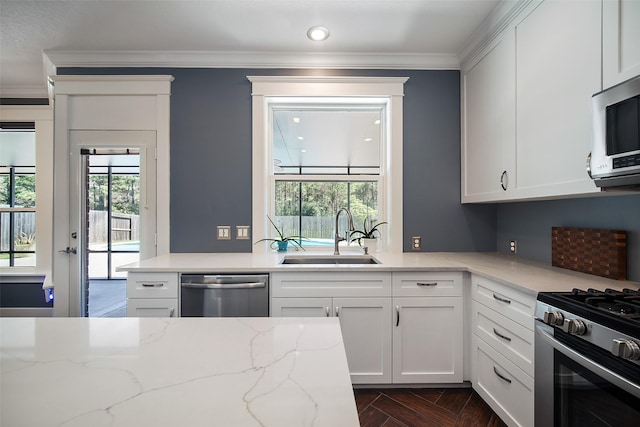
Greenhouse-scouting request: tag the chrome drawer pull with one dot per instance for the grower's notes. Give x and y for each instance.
(337, 311)
(427, 283)
(171, 311)
(326, 310)
(397, 315)
(502, 377)
(504, 300)
(501, 336)
(152, 285)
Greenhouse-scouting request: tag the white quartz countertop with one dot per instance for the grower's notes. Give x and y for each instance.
(174, 372)
(528, 276)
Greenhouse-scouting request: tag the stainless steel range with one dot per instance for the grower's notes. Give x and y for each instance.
(587, 358)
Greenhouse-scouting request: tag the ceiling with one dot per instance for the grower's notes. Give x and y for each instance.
(37, 36)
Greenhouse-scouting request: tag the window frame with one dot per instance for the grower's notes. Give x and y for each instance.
(267, 88)
(11, 210)
(42, 117)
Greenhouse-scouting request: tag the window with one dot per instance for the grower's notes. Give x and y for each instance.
(311, 185)
(326, 155)
(17, 195)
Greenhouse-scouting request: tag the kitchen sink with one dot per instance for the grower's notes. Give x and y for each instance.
(329, 259)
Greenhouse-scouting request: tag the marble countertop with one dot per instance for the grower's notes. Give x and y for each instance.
(174, 372)
(527, 276)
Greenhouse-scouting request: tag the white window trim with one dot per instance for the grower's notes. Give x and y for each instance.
(392, 88)
(42, 116)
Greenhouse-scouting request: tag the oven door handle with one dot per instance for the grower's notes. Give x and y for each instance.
(600, 370)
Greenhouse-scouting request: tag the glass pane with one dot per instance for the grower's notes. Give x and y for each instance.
(118, 259)
(4, 190)
(309, 208)
(25, 189)
(126, 194)
(24, 224)
(5, 238)
(98, 206)
(323, 136)
(98, 265)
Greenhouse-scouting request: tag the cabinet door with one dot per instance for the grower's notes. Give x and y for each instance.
(620, 41)
(366, 330)
(427, 340)
(301, 307)
(152, 307)
(488, 148)
(558, 62)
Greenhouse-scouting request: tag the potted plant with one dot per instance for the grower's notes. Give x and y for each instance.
(282, 241)
(367, 237)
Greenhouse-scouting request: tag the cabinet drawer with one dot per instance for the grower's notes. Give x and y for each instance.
(152, 285)
(427, 284)
(511, 339)
(507, 389)
(507, 301)
(331, 284)
(152, 307)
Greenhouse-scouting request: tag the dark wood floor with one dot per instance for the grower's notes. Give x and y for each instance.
(423, 407)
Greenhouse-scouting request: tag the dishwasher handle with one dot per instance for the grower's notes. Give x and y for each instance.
(248, 285)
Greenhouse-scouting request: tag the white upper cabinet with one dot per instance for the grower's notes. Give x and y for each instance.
(558, 70)
(526, 97)
(488, 115)
(620, 41)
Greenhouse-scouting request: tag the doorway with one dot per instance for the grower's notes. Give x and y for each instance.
(112, 216)
(113, 227)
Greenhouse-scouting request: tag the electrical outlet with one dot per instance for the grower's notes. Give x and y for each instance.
(513, 246)
(416, 243)
(242, 232)
(224, 232)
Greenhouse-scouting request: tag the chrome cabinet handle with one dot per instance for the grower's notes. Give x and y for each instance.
(250, 285)
(337, 311)
(397, 315)
(501, 336)
(504, 180)
(502, 377)
(171, 311)
(326, 310)
(152, 285)
(504, 300)
(427, 283)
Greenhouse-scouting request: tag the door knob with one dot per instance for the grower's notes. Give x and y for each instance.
(69, 250)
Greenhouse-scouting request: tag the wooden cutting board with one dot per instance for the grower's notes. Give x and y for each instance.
(600, 252)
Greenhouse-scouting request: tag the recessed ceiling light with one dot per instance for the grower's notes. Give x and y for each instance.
(318, 33)
(368, 139)
(303, 151)
(377, 122)
(296, 120)
(300, 138)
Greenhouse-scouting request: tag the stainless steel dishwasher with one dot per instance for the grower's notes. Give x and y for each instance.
(224, 295)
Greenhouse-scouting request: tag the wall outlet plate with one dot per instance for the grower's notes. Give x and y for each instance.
(416, 243)
(513, 246)
(224, 232)
(242, 232)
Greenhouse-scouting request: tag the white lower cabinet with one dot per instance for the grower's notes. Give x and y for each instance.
(152, 307)
(152, 294)
(502, 349)
(504, 386)
(427, 340)
(390, 336)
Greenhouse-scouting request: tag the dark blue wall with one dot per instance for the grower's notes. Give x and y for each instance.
(211, 158)
(530, 224)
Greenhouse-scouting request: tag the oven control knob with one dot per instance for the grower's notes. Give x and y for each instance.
(574, 326)
(626, 349)
(554, 318)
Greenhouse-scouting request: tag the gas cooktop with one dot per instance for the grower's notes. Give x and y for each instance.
(618, 310)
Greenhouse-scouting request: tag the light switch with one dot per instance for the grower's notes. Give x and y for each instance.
(242, 232)
(224, 232)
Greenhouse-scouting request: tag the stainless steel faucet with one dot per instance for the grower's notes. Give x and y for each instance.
(337, 237)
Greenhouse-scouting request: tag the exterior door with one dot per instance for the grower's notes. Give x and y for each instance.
(104, 141)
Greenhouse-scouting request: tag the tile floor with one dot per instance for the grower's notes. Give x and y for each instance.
(424, 408)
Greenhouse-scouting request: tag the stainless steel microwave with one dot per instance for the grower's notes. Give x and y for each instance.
(615, 153)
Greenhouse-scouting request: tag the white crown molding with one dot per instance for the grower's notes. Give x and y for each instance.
(184, 59)
(501, 17)
(24, 91)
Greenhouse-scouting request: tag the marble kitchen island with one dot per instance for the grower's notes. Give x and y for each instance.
(227, 372)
